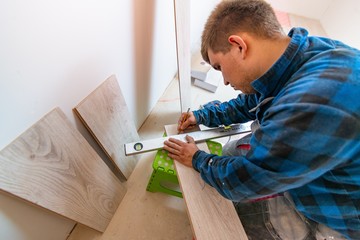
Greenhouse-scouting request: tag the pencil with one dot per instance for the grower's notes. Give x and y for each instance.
(185, 118)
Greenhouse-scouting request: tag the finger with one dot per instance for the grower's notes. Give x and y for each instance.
(186, 120)
(173, 156)
(186, 124)
(181, 118)
(189, 139)
(180, 128)
(171, 145)
(182, 125)
(176, 141)
(191, 126)
(171, 150)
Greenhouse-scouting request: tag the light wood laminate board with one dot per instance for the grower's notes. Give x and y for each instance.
(211, 215)
(52, 166)
(105, 114)
(81, 232)
(182, 28)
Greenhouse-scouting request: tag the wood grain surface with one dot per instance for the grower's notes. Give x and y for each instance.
(105, 114)
(211, 215)
(52, 166)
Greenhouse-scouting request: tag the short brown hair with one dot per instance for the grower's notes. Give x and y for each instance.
(231, 16)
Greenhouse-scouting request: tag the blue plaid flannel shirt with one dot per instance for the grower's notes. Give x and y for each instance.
(308, 142)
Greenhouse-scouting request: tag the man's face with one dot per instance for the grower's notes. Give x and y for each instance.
(233, 68)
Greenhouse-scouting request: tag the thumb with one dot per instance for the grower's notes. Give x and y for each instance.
(189, 139)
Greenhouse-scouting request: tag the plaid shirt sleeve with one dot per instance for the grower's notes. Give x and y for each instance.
(308, 142)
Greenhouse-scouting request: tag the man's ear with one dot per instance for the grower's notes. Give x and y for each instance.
(239, 43)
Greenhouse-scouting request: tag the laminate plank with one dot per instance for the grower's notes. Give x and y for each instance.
(81, 232)
(182, 28)
(105, 114)
(211, 215)
(52, 166)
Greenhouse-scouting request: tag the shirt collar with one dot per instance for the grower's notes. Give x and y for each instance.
(273, 80)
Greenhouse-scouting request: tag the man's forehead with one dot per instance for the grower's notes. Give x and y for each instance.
(211, 56)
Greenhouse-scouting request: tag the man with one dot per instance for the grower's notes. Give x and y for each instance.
(302, 92)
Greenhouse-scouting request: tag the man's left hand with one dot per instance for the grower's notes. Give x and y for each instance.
(181, 151)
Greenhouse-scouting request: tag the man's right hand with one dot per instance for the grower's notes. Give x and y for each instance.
(190, 121)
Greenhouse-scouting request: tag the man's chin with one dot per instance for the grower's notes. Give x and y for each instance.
(235, 88)
(246, 91)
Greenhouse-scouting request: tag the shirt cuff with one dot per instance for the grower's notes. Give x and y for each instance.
(196, 115)
(198, 158)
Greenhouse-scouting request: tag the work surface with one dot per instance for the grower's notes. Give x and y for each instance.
(211, 215)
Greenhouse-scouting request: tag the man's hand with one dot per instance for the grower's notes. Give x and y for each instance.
(186, 121)
(181, 151)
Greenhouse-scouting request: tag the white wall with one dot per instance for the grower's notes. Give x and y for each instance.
(339, 18)
(306, 8)
(341, 21)
(54, 53)
(199, 11)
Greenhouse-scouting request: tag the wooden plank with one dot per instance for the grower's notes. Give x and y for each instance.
(182, 29)
(52, 166)
(211, 215)
(105, 114)
(81, 232)
(198, 136)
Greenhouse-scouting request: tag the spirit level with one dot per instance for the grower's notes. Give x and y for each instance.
(158, 143)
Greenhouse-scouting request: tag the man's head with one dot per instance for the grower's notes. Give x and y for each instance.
(242, 39)
(233, 16)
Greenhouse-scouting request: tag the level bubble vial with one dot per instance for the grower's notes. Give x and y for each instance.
(138, 146)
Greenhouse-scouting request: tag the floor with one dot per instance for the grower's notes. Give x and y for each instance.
(146, 215)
